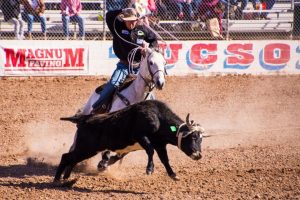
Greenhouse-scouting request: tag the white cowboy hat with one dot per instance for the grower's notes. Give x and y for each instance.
(129, 14)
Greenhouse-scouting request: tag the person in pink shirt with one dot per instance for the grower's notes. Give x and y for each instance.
(70, 11)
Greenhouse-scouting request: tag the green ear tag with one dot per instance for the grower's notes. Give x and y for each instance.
(173, 128)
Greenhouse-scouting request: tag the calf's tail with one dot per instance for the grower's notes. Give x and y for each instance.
(75, 119)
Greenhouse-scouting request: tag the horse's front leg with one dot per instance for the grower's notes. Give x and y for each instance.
(146, 144)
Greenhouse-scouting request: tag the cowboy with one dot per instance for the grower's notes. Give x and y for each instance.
(130, 39)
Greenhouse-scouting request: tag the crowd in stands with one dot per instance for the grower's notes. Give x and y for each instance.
(209, 11)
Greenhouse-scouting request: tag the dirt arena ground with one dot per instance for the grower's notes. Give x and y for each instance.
(253, 151)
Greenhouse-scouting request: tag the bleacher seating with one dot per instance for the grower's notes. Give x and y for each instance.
(91, 12)
(281, 21)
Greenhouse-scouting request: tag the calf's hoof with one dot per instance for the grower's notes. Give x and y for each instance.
(56, 180)
(64, 183)
(174, 177)
(149, 172)
(102, 166)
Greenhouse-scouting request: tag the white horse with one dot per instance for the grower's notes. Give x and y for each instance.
(151, 74)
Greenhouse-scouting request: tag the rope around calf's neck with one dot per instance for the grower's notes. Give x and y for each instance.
(179, 135)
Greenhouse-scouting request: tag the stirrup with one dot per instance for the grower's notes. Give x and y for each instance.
(100, 109)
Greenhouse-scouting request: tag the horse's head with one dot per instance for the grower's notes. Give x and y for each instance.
(152, 68)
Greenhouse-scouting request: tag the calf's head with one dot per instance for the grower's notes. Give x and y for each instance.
(190, 138)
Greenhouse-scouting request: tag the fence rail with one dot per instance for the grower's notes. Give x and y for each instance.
(280, 23)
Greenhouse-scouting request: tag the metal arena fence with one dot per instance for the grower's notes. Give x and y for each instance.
(171, 19)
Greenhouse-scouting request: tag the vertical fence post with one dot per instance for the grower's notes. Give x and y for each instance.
(227, 24)
(75, 30)
(296, 21)
(104, 20)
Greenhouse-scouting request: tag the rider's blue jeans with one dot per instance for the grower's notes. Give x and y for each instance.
(119, 76)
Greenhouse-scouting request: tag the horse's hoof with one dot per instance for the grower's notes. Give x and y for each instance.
(174, 177)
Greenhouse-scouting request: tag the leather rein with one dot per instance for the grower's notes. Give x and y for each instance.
(150, 83)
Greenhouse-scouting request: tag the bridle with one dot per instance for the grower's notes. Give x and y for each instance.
(150, 83)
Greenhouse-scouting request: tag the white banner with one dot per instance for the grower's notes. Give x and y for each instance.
(183, 57)
(43, 58)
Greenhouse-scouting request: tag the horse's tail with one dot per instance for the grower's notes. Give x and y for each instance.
(75, 119)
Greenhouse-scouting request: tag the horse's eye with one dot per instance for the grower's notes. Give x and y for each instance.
(151, 63)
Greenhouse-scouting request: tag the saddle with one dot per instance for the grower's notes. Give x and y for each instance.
(106, 106)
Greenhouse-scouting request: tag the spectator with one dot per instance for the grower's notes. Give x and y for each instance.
(34, 11)
(144, 8)
(195, 5)
(231, 9)
(244, 3)
(255, 4)
(70, 10)
(162, 10)
(184, 9)
(211, 12)
(268, 6)
(116, 4)
(12, 14)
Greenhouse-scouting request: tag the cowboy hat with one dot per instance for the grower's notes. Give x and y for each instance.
(129, 14)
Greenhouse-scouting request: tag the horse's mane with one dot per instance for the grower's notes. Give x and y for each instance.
(157, 49)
